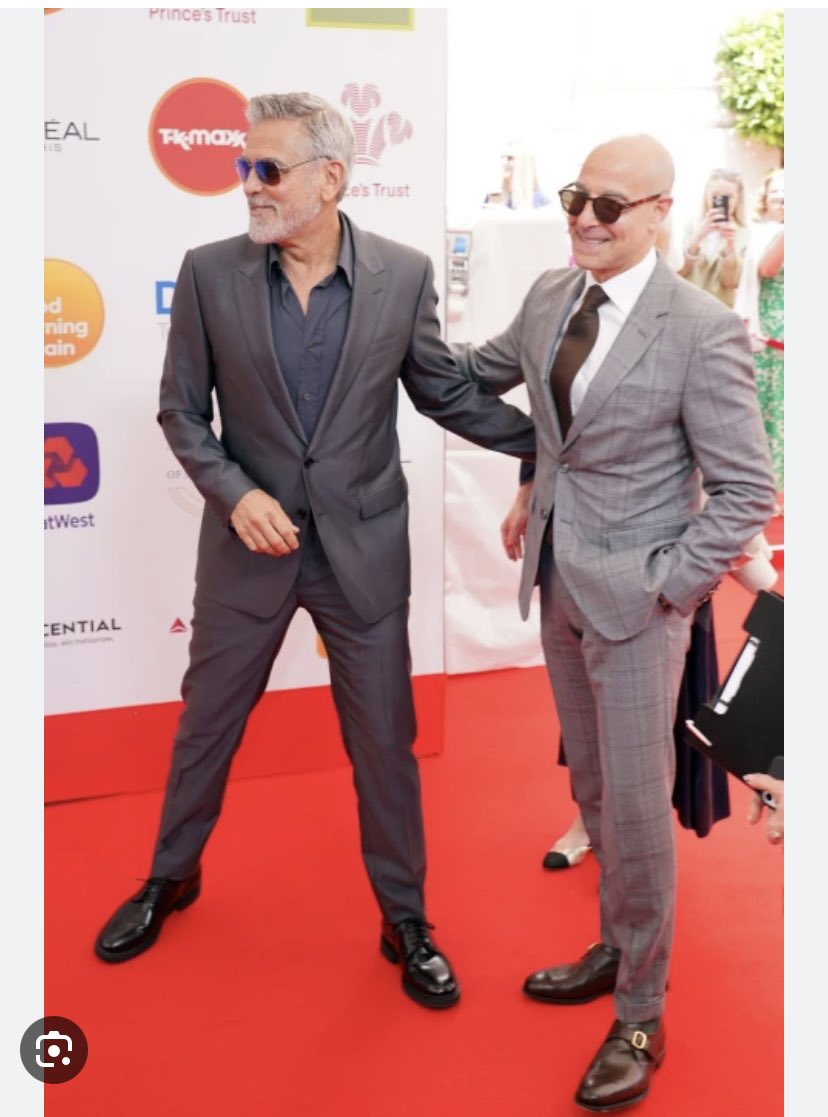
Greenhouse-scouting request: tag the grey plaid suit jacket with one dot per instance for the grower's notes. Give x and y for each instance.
(672, 406)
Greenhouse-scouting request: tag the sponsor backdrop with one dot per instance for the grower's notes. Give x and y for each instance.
(139, 148)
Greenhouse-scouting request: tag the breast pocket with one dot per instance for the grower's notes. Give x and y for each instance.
(635, 408)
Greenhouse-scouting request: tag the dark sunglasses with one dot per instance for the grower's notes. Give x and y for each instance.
(606, 210)
(269, 171)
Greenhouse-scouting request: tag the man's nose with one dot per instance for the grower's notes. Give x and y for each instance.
(252, 184)
(586, 217)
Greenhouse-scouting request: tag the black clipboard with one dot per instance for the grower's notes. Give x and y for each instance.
(741, 728)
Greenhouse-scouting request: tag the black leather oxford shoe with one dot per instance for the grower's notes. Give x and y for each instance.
(620, 1073)
(427, 976)
(591, 976)
(137, 924)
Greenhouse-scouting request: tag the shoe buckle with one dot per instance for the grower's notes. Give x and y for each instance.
(639, 1040)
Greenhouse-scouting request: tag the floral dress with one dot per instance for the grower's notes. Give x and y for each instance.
(770, 371)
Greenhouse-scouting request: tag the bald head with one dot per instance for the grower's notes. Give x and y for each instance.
(640, 159)
(637, 172)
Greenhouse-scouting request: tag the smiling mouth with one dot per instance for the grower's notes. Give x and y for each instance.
(592, 242)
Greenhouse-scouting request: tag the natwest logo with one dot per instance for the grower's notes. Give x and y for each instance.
(71, 465)
(372, 132)
(195, 129)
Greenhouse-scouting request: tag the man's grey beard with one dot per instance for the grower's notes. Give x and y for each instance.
(275, 225)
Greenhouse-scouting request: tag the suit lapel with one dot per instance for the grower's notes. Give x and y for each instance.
(252, 293)
(366, 303)
(645, 322)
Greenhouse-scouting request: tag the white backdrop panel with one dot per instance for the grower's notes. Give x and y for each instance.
(124, 567)
(484, 632)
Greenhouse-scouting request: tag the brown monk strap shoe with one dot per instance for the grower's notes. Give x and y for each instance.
(427, 976)
(620, 1073)
(591, 976)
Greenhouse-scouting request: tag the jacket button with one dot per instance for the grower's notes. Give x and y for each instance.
(308, 462)
(301, 513)
(544, 513)
(564, 468)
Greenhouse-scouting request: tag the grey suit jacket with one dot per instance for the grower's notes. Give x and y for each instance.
(673, 405)
(349, 475)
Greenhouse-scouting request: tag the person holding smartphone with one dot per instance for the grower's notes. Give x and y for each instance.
(715, 244)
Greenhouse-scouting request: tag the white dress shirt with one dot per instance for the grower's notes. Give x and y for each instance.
(622, 292)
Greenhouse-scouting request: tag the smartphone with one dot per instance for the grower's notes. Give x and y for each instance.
(721, 203)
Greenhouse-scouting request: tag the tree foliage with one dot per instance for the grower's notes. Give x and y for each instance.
(751, 60)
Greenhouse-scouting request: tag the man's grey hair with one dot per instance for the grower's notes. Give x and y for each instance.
(329, 134)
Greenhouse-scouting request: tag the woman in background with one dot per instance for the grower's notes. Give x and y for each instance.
(716, 243)
(519, 183)
(761, 302)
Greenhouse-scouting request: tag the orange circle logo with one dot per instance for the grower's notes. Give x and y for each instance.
(197, 129)
(73, 314)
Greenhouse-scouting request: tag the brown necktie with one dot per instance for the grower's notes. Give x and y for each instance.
(573, 351)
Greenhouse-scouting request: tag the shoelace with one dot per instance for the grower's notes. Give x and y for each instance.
(415, 933)
(153, 887)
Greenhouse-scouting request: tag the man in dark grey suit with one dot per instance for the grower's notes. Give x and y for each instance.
(642, 391)
(303, 330)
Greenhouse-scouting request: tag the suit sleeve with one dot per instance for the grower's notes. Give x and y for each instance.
(444, 389)
(721, 417)
(186, 402)
(496, 364)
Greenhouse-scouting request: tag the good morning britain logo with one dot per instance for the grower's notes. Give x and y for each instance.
(73, 313)
(196, 130)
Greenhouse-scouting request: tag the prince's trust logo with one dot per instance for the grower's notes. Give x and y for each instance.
(373, 132)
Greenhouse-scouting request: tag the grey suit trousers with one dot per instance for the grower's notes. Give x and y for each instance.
(231, 655)
(616, 701)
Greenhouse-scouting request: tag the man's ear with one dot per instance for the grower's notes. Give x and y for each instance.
(663, 206)
(333, 175)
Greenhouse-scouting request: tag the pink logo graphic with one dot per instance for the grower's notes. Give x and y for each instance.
(178, 626)
(372, 134)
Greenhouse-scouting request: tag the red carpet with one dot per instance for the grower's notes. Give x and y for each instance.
(269, 995)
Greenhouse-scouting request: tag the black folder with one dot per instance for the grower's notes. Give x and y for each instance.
(741, 728)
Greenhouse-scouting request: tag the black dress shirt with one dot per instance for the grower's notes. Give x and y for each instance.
(308, 345)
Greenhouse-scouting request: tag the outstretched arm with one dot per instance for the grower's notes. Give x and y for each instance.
(441, 386)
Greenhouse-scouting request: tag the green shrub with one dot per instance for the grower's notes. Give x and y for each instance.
(751, 58)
